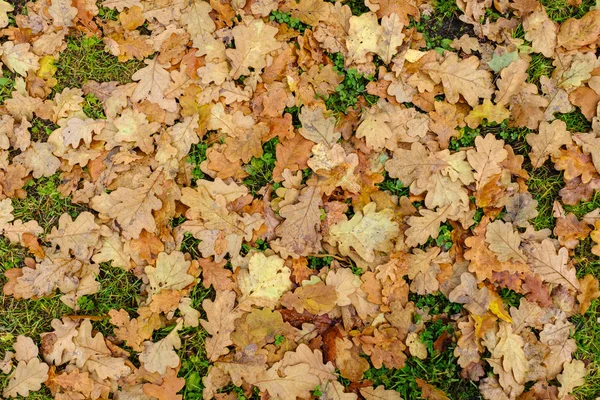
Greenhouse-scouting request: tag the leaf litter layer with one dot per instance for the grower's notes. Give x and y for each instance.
(312, 199)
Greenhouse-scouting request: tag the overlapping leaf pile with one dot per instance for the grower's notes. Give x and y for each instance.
(225, 73)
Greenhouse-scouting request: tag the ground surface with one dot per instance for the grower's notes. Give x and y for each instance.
(42, 199)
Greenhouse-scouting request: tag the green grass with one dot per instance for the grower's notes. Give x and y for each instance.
(394, 186)
(85, 59)
(93, 107)
(587, 326)
(445, 8)
(108, 14)
(435, 304)
(583, 208)
(576, 121)
(260, 169)
(357, 7)
(544, 184)
(286, 18)
(33, 317)
(587, 332)
(7, 84)
(466, 138)
(348, 92)
(560, 10)
(538, 67)
(41, 129)
(196, 155)
(44, 203)
(194, 364)
(440, 370)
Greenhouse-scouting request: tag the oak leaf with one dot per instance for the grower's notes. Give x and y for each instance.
(58, 346)
(39, 160)
(291, 154)
(423, 269)
(486, 158)
(553, 267)
(133, 127)
(430, 392)
(576, 33)
(348, 360)
(510, 349)
(362, 37)
(135, 331)
(572, 376)
(589, 291)
(62, 13)
(379, 393)
(511, 82)
(220, 318)
(317, 127)
(575, 164)
(132, 207)
(18, 58)
(314, 358)
(298, 232)
(168, 388)
(316, 298)
(160, 355)
(4, 9)
(311, 12)
(391, 37)
(365, 233)
(556, 336)
(27, 377)
(265, 278)
(153, 81)
(504, 241)
(252, 44)
(79, 236)
(489, 111)
(520, 209)
(113, 251)
(170, 273)
(25, 348)
(334, 390)
(540, 30)
(591, 145)
(425, 226)
(461, 77)
(294, 381)
(92, 354)
(196, 18)
(416, 347)
(259, 327)
(476, 300)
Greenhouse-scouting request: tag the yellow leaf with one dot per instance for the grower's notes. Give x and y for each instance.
(488, 110)
(496, 306)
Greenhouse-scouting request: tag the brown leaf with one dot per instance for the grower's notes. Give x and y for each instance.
(548, 142)
(316, 298)
(589, 292)
(219, 324)
(378, 393)
(291, 154)
(570, 230)
(430, 392)
(576, 33)
(168, 388)
(461, 78)
(27, 377)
